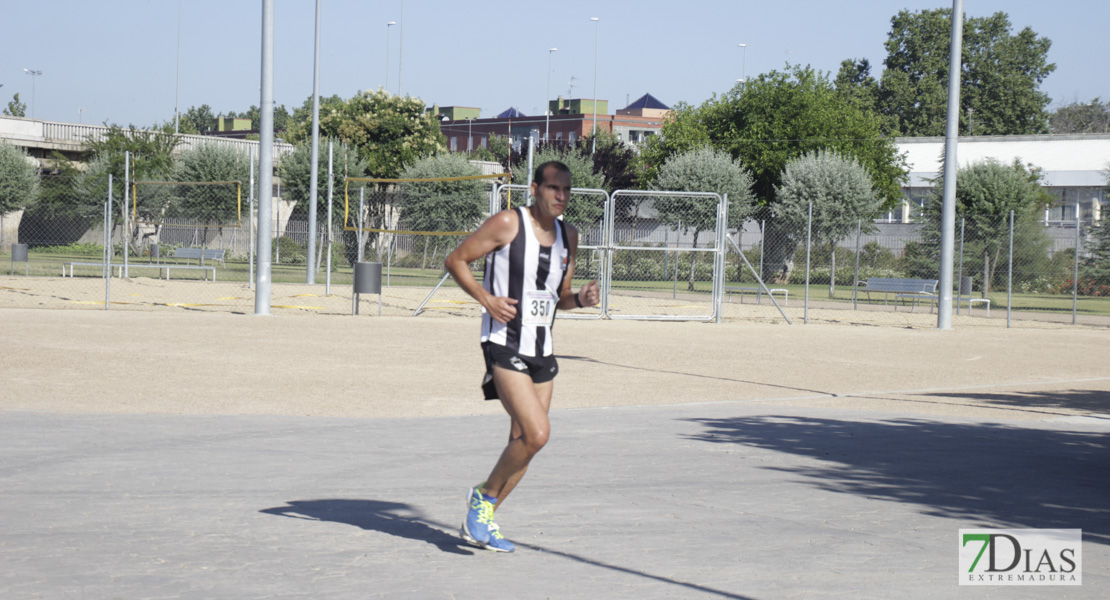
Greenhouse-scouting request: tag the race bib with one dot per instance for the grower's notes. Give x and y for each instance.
(539, 308)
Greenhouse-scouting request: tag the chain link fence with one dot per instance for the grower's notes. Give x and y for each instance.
(654, 255)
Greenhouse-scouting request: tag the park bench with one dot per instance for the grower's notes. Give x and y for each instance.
(903, 289)
(200, 254)
(729, 290)
(162, 268)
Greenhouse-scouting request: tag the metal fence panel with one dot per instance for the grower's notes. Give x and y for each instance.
(644, 273)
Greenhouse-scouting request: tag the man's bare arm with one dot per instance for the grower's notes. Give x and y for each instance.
(497, 231)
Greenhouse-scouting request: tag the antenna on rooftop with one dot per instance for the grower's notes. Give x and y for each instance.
(570, 87)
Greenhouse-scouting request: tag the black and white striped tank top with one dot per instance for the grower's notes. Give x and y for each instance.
(533, 275)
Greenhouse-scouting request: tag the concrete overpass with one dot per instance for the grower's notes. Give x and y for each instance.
(42, 138)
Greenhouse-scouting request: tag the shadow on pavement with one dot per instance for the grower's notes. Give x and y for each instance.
(1097, 401)
(393, 518)
(403, 520)
(984, 474)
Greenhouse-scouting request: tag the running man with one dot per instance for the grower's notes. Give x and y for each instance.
(529, 266)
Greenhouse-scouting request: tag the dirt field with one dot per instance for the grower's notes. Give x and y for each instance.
(199, 362)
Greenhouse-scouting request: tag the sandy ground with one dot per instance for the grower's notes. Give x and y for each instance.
(198, 362)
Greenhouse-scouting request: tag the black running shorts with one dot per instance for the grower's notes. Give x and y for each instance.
(540, 368)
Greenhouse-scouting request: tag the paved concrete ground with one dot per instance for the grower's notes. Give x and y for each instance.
(725, 500)
(212, 456)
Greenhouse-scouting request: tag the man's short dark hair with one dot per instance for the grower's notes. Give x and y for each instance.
(537, 178)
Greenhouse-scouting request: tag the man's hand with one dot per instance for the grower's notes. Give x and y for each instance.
(501, 308)
(589, 295)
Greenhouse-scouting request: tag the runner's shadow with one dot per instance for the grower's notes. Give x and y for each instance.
(394, 518)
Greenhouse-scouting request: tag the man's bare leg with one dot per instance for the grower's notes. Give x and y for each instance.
(543, 391)
(527, 404)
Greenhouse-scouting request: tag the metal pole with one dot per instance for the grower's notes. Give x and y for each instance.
(314, 172)
(108, 247)
(809, 246)
(1075, 275)
(531, 152)
(855, 284)
(327, 277)
(401, 48)
(387, 26)
(547, 109)
(177, 100)
(125, 233)
(265, 163)
(762, 245)
(597, 28)
(250, 223)
(1010, 275)
(960, 276)
(948, 209)
(361, 197)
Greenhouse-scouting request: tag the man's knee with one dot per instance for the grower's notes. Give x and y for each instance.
(535, 438)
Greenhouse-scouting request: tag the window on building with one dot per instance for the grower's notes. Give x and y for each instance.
(485, 142)
(570, 138)
(454, 143)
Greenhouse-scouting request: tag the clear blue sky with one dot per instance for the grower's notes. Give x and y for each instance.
(117, 59)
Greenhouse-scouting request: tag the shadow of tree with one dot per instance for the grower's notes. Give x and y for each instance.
(1004, 476)
(1086, 400)
(393, 518)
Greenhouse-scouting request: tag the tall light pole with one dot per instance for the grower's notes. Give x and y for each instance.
(387, 30)
(401, 49)
(744, 71)
(597, 28)
(547, 113)
(80, 115)
(177, 98)
(33, 73)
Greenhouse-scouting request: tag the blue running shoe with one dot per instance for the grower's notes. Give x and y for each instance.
(497, 542)
(479, 517)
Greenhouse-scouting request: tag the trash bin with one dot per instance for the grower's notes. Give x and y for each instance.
(965, 286)
(368, 280)
(155, 253)
(19, 254)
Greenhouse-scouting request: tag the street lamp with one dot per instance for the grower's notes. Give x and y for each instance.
(387, 26)
(80, 115)
(33, 74)
(744, 72)
(547, 113)
(597, 28)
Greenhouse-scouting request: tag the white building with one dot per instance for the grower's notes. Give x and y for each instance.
(1075, 168)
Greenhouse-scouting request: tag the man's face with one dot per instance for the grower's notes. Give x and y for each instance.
(554, 192)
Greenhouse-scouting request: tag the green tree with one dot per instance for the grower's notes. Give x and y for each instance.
(498, 148)
(15, 107)
(1093, 117)
(780, 116)
(196, 120)
(999, 84)
(683, 129)
(151, 151)
(442, 205)
(612, 159)
(211, 163)
(986, 192)
(387, 131)
(702, 170)
(840, 192)
(295, 170)
(19, 178)
(582, 211)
